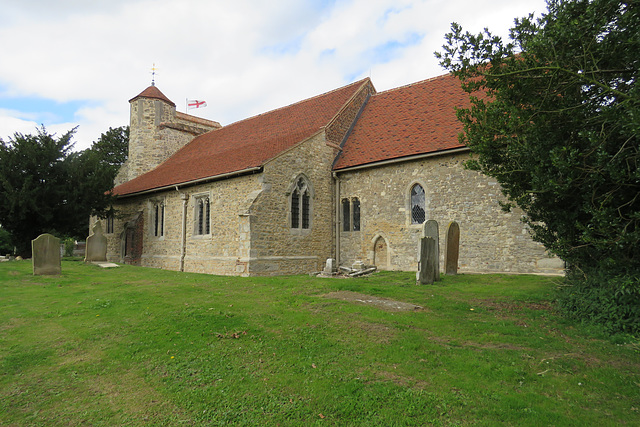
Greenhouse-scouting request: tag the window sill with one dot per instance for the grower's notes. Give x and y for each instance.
(300, 231)
(201, 236)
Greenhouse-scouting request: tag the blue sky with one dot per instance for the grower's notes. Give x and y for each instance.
(68, 63)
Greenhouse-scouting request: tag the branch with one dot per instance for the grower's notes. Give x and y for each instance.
(581, 76)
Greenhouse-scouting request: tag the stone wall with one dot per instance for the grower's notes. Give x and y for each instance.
(341, 124)
(490, 239)
(216, 253)
(146, 150)
(250, 220)
(276, 248)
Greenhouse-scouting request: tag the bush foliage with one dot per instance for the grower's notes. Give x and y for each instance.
(555, 118)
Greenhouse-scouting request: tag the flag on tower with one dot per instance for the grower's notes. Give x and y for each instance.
(194, 103)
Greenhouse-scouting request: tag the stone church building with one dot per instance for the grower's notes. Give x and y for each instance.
(351, 174)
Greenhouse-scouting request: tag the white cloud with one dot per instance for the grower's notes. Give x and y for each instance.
(243, 57)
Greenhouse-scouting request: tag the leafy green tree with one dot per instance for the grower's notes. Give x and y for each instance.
(6, 246)
(112, 148)
(46, 187)
(555, 118)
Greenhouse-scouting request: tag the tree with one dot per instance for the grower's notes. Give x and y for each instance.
(6, 246)
(555, 118)
(45, 187)
(112, 148)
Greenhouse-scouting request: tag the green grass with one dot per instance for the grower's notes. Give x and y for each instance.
(137, 346)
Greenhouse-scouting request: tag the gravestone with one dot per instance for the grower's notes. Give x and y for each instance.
(45, 251)
(431, 230)
(330, 266)
(452, 248)
(428, 261)
(96, 247)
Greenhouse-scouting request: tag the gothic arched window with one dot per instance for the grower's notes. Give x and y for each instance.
(202, 216)
(301, 205)
(417, 204)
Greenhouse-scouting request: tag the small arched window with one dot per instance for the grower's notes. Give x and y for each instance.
(346, 215)
(202, 216)
(417, 204)
(351, 214)
(301, 205)
(158, 219)
(356, 214)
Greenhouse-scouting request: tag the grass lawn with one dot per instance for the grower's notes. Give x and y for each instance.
(138, 346)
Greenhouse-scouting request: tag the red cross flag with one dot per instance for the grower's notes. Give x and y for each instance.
(194, 103)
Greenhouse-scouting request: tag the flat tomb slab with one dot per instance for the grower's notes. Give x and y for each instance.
(105, 264)
(384, 303)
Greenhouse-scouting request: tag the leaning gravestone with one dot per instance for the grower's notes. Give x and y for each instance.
(431, 230)
(45, 250)
(96, 248)
(428, 262)
(452, 248)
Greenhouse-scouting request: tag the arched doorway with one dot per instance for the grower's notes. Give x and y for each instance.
(131, 240)
(381, 254)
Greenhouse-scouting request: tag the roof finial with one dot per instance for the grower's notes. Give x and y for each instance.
(153, 74)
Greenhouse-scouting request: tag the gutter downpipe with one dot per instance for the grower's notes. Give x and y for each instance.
(337, 221)
(183, 238)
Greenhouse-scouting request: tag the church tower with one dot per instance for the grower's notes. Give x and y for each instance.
(157, 131)
(147, 147)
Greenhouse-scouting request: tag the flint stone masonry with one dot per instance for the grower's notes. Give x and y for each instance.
(493, 240)
(45, 251)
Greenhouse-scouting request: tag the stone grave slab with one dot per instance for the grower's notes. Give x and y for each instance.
(431, 230)
(96, 248)
(427, 266)
(45, 251)
(452, 248)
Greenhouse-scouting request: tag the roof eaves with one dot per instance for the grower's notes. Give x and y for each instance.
(402, 159)
(228, 175)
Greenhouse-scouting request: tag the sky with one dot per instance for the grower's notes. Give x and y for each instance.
(68, 63)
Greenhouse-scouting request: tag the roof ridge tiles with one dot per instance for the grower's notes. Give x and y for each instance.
(302, 101)
(420, 82)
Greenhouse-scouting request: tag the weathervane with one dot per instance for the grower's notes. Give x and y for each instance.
(153, 74)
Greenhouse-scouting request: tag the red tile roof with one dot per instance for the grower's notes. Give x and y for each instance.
(245, 144)
(153, 92)
(415, 119)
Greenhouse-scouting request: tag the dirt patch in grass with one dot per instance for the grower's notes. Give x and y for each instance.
(511, 307)
(374, 332)
(383, 303)
(451, 343)
(14, 322)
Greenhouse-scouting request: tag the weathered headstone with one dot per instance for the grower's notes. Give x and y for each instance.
(358, 265)
(330, 266)
(428, 261)
(96, 248)
(45, 251)
(431, 230)
(452, 248)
